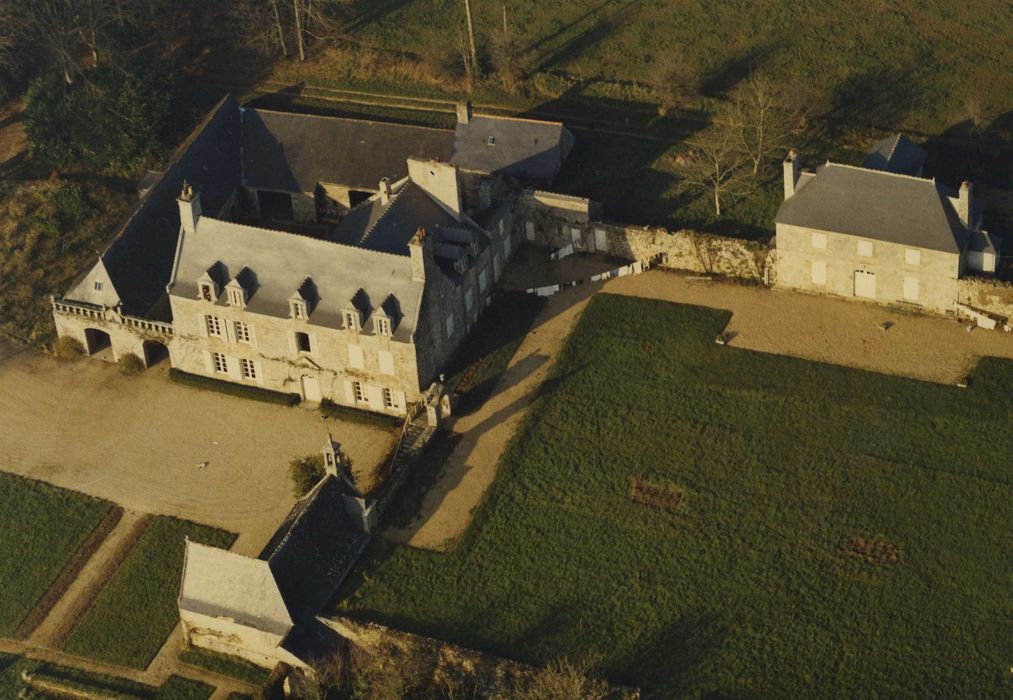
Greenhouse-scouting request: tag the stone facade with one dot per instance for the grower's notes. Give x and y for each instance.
(874, 270)
(223, 635)
(987, 294)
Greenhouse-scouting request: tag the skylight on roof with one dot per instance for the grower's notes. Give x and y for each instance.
(491, 141)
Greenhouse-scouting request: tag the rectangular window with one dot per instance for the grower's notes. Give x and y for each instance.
(483, 280)
(383, 326)
(236, 297)
(98, 286)
(214, 325)
(205, 292)
(819, 241)
(359, 393)
(388, 398)
(248, 369)
(298, 309)
(529, 230)
(865, 249)
(242, 332)
(351, 321)
(450, 325)
(302, 342)
(387, 363)
(221, 363)
(469, 299)
(355, 357)
(911, 288)
(913, 257)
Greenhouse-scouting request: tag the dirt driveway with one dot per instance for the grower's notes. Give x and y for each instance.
(138, 441)
(836, 331)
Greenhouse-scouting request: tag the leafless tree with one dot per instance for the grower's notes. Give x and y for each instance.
(467, 61)
(715, 164)
(58, 26)
(279, 28)
(471, 40)
(505, 50)
(676, 80)
(760, 120)
(564, 679)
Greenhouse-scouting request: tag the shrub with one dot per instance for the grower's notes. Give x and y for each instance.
(240, 390)
(305, 473)
(329, 409)
(67, 348)
(130, 364)
(675, 80)
(564, 679)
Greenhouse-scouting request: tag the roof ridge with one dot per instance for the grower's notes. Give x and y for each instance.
(390, 205)
(517, 119)
(346, 119)
(927, 180)
(896, 142)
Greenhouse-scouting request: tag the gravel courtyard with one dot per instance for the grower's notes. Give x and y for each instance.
(138, 441)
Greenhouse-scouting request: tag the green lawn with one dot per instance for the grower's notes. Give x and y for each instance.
(745, 589)
(43, 526)
(136, 611)
(224, 665)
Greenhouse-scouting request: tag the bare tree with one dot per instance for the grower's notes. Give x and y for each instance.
(467, 61)
(505, 50)
(59, 26)
(715, 164)
(471, 38)
(676, 80)
(760, 121)
(297, 6)
(279, 28)
(564, 679)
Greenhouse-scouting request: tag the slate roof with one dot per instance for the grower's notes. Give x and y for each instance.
(523, 148)
(293, 152)
(279, 263)
(896, 154)
(219, 583)
(139, 260)
(314, 550)
(879, 205)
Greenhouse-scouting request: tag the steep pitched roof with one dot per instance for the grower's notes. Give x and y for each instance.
(139, 260)
(524, 148)
(896, 154)
(293, 152)
(314, 549)
(219, 583)
(280, 262)
(874, 204)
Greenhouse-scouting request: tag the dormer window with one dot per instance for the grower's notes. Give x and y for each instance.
(236, 297)
(206, 292)
(298, 310)
(381, 326)
(351, 319)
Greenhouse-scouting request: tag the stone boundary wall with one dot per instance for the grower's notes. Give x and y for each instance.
(986, 294)
(555, 221)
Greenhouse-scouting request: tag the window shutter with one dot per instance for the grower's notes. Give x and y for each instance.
(260, 372)
(209, 365)
(291, 344)
(253, 336)
(349, 393)
(402, 401)
(203, 326)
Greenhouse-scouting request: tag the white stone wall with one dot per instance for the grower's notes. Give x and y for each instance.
(898, 269)
(122, 339)
(987, 294)
(226, 636)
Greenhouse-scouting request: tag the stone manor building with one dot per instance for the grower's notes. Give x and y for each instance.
(337, 259)
(880, 232)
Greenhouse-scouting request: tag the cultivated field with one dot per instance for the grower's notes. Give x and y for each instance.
(712, 520)
(132, 617)
(43, 526)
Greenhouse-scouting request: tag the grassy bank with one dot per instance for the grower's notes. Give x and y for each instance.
(805, 529)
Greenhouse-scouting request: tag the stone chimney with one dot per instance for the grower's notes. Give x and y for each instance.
(464, 112)
(421, 250)
(792, 170)
(384, 190)
(965, 204)
(332, 456)
(189, 207)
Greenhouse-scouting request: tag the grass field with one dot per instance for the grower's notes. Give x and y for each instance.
(136, 611)
(225, 665)
(43, 527)
(755, 584)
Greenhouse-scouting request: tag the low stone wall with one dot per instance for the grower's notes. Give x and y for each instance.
(986, 294)
(543, 220)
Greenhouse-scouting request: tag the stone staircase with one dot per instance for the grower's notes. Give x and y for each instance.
(414, 438)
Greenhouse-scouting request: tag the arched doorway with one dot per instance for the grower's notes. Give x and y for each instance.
(98, 343)
(155, 352)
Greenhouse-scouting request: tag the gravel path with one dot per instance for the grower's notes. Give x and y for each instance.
(817, 328)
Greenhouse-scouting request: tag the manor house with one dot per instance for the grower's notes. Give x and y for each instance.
(337, 259)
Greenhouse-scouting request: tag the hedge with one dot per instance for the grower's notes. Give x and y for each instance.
(329, 409)
(241, 390)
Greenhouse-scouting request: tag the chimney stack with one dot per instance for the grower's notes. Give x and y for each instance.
(792, 170)
(464, 112)
(421, 252)
(189, 207)
(965, 204)
(384, 190)
(332, 456)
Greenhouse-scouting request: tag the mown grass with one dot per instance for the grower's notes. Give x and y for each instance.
(136, 611)
(43, 526)
(746, 589)
(49, 232)
(224, 665)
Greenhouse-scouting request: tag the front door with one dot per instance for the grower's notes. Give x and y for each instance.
(311, 388)
(865, 284)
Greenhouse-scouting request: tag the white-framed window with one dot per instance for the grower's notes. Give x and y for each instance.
(529, 230)
(358, 392)
(236, 297)
(490, 141)
(351, 319)
(483, 280)
(298, 309)
(302, 342)
(382, 326)
(98, 286)
(221, 363)
(912, 257)
(388, 398)
(214, 325)
(819, 272)
(469, 299)
(248, 369)
(450, 325)
(819, 240)
(386, 362)
(911, 288)
(355, 357)
(206, 293)
(242, 332)
(865, 249)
